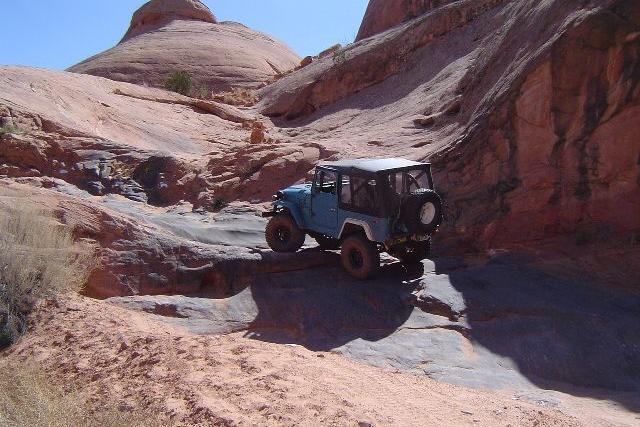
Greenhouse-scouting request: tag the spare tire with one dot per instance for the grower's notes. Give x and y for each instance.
(422, 212)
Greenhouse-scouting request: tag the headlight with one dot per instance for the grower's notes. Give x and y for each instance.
(278, 196)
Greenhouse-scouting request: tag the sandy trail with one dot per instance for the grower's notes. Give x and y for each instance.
(132, 360)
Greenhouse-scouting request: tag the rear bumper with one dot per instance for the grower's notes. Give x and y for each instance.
(399, 240)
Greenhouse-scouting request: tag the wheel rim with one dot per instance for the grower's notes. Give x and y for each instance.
(355, 259)
(283, 234)
(427, 213)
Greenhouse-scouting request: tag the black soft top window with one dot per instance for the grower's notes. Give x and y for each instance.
(359, 194)
(406, 181)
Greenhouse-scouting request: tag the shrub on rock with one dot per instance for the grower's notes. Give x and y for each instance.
(180, 82)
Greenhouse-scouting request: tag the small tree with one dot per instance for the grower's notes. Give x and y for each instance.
(180, 82)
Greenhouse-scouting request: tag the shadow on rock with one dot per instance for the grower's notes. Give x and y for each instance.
(560, 335)
(323, 309)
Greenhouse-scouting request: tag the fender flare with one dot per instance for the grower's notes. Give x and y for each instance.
(292, 210)
(359, 223)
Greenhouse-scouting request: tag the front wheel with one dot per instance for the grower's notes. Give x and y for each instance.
(283, 234)
(360, 257)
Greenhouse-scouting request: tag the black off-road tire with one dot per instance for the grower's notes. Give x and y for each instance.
(283, 234)
(327, 243)
(413, 252)
(416, 205)
(360, 257)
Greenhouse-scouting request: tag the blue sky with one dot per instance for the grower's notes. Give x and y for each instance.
(59, 33)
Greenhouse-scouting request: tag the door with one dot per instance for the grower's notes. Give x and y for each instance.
(324, 202)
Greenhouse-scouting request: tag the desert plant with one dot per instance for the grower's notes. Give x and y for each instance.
(9, 129)
(29, 398)
(219, 204)
(180, 82)
(238, 97)
(12, 324)
(201, 92)
(339, 57)
(38, 259)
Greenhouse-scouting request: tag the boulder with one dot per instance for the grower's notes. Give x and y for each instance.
(168, 36)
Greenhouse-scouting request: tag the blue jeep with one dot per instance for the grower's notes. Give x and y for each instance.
(364, 207)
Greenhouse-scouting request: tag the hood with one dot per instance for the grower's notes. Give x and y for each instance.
(295, 192)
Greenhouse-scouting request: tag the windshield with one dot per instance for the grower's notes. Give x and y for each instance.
(407, 181)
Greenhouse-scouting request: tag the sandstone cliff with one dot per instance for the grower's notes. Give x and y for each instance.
(528, 111)
(384, 14)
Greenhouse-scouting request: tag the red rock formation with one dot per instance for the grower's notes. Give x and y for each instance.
(111, 137)
(560, 155)
(528, 111)
(349, 70)
(155, 14)
(384, 14)
(167, 36)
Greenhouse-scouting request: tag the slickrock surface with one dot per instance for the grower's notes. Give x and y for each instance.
(150, 145)
(168, 36)
(159, 251)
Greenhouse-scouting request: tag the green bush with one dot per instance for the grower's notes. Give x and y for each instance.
(180, 82)
(9, 129)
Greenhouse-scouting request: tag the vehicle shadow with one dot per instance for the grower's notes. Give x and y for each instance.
(572, 337)
(324, 308)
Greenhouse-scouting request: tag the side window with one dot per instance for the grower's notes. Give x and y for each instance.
(363, 193)
(345, 190)
(326, 181)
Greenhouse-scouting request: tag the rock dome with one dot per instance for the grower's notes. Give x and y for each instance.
(167, 36)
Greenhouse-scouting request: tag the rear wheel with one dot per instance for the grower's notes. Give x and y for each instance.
(283, 234)
(360, 257)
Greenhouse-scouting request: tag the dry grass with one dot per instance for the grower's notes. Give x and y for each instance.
(29, 399)
(38, 259)
(239, 97)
